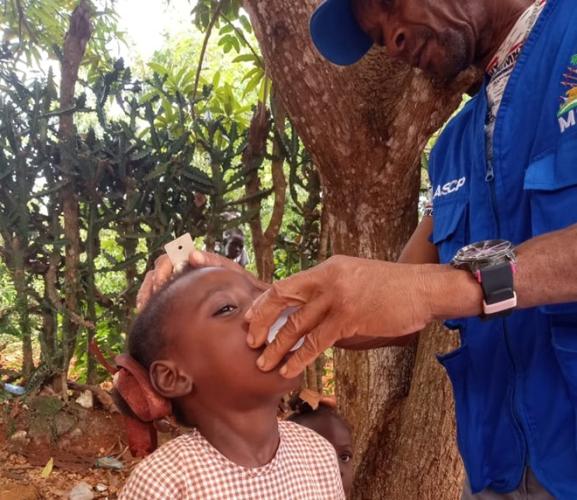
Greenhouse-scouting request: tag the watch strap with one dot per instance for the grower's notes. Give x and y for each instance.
(498, 289)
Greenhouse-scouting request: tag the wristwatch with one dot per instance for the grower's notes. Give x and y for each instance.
(493, 264)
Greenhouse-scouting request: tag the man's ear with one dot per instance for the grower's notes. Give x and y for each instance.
(169, 380)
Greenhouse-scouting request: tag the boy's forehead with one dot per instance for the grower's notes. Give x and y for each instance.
(202, 283)
(329, 425)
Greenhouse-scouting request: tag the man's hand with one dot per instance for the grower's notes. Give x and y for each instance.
(163, 269)
(346, 297)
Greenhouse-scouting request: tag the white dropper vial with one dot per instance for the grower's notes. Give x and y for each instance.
(279, 323)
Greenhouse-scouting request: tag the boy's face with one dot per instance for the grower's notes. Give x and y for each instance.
(209, 339)
(336, 432)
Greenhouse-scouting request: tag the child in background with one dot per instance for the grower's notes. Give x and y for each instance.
(190, 343)
(325, 421)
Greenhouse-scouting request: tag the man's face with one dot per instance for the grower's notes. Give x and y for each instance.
(433, 35)
(234, 247)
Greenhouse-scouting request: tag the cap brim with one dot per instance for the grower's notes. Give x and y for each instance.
(336, 33)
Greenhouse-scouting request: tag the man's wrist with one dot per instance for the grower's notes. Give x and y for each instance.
(452, 293)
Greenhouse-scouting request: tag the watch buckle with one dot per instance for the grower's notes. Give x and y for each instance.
(500, 307)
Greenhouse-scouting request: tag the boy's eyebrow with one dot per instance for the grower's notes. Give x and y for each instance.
(211, 291)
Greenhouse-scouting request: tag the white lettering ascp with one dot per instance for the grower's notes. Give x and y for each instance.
(450, 187)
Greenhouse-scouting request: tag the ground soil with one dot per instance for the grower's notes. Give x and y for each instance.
(44, 427)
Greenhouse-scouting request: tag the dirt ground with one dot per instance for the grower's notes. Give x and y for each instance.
(73, 438)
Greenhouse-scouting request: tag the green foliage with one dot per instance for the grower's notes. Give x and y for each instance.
(7, 300)
(33, 30)
(298, 246)
(155, 156)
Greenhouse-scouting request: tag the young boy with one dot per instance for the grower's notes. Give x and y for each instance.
(334, 428)
(191, 339)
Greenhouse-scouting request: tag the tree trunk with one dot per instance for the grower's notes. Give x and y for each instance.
(49, 329)
(22, 305)
(129, 245)
(92, 236)
(365, 127)
(253, 157)
(423, 461)
(73, 53)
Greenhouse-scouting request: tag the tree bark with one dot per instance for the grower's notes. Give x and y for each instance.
(423, 461)
(129, 244)
(253, 157)
(22, 305)
(73, 53)
(365, 127)
(92, 237)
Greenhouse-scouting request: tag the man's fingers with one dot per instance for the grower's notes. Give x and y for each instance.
(145, 292)
(316, 342)
(263, 313)
(293, 291)
(298, 324)
(162, 272)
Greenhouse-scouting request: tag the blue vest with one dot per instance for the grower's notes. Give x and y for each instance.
(515, 379)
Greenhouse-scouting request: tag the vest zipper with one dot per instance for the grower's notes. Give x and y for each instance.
(514, 412)
(490, 179)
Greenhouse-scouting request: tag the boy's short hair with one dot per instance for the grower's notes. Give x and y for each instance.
(147, 336)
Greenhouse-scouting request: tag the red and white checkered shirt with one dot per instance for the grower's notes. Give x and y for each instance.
(305, 467)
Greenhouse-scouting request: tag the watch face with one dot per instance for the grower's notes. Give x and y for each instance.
(484, 251)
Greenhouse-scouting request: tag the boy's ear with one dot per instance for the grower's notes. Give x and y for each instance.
(169, 380)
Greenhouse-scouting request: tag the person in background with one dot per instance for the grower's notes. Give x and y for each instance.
(325, 421)
(234, 246)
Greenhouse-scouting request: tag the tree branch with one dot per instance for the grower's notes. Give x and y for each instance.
(213, 21)
(278, 182)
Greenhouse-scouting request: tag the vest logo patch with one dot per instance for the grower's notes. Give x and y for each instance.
(449, 188)
(567, 114)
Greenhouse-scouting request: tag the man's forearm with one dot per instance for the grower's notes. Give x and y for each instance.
(547, 269)
(546, 274)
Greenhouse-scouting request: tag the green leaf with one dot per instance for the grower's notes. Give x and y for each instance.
(227, 28)
(252, 84)
(250, 74)
(216, 79)
(158, 68)
(245, 58)
(159, 171)
(201, 180)
(235, 43)
(245, 23)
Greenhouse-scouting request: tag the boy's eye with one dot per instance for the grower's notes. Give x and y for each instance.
(227, 309)
(345, 457)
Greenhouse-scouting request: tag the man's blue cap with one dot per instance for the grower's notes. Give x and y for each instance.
(337, 34)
